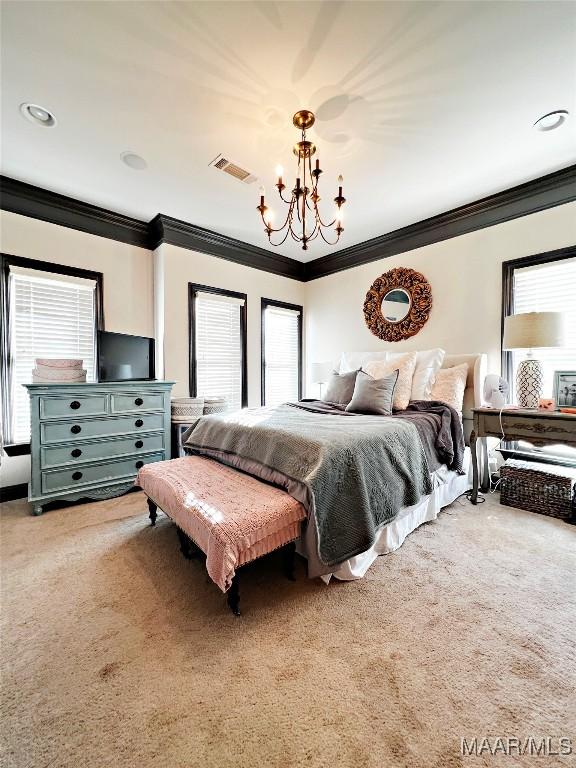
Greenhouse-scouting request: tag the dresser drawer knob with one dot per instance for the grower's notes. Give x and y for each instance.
(75, 429)
(76, 452)
(138, 401)
(74, 405)
(138, 423)
(76, 475)
(139, 443)
(139, 464)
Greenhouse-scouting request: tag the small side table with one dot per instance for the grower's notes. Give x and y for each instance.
(536, 427)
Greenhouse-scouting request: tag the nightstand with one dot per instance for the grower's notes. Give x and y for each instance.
(536, 427)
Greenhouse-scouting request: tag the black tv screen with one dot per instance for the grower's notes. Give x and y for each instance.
(124, 358)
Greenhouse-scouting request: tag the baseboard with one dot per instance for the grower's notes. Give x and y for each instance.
(12, 492)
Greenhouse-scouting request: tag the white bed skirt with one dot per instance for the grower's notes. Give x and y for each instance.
(447, 487)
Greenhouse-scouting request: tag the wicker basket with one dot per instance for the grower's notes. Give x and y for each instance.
(215, 405)
(186, 410)
(541, 488)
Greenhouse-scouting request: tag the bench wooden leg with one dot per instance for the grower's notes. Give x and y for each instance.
(289, 556)
(189, 548)
(153, 513)
(184, 544)
(233, 596)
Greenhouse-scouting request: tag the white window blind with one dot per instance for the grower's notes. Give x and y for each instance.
(51, 316)
(281, 355)
(218, 347)
(549, 288)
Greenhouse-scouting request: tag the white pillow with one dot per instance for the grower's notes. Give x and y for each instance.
(428, 363)
(351, 361)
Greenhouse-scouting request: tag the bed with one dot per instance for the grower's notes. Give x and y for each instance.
(448, 485)
(366, 481)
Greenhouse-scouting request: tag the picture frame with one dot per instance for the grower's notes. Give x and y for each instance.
(565, 389)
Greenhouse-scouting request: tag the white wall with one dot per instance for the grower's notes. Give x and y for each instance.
(127, 270)
(128, 283)
(466, 278)
(182, 267)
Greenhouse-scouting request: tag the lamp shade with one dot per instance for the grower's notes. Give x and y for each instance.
(321, 372)
(530, 330)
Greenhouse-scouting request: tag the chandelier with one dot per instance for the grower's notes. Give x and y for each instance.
(303, 221)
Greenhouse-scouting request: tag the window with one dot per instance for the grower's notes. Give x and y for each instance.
(546, 282)
(545, 288)
(50, 311)
(541, 286)
(218, 344)
(281, 352)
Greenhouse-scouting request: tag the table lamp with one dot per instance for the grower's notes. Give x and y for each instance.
(532, 330)
(321, 373)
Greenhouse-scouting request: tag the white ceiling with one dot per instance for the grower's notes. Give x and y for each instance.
(422, 106)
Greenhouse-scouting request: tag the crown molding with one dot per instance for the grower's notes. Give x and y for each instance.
(38, 203)
(165, 229)
(545, 192)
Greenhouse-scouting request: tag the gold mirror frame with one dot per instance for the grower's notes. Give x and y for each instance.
(420, 292)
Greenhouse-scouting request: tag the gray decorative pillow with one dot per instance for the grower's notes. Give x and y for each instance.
(373, 395)
(340, 388)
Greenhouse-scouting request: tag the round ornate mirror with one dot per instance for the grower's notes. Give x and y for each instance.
(398, 304)
(395, 305)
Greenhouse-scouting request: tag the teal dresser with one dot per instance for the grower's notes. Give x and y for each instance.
(90, 440)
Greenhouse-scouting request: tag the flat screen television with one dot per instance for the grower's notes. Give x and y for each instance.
(124, 358)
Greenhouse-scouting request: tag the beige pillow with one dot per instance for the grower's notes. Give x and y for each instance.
(405, 365)
(450, 385)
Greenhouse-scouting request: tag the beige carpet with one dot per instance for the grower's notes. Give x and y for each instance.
(118, 652)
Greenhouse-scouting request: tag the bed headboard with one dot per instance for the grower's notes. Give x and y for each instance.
(477, 366)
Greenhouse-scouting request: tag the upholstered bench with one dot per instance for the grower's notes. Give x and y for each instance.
(231, 517)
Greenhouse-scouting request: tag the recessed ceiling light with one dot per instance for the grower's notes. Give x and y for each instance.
(134, 161)
(552, 120)
(38, 115)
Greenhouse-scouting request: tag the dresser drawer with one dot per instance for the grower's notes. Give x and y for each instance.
(122, 402)
(59, 455)
(79, 430)
(60, 479)
(85, 405)
(549, 431)
(533, 429)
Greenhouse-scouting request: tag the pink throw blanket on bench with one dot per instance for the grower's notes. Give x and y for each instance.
(233, 517)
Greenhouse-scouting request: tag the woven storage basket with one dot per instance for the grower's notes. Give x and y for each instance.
(186, 410)
(215, 405)
(541, 488)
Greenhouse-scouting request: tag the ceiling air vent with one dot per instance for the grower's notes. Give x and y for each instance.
(222, 164)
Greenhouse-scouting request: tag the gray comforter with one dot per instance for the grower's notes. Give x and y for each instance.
(353, 473)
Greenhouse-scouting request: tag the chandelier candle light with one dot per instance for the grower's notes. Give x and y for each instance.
(303, 221)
